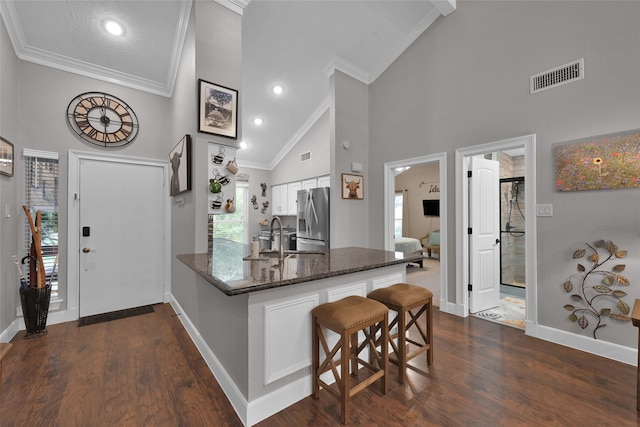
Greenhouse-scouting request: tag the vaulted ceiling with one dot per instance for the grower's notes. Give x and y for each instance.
(293, 43)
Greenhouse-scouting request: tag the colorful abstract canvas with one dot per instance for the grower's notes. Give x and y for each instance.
(599, 163)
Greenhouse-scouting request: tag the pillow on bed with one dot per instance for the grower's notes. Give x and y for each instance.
(434, 238)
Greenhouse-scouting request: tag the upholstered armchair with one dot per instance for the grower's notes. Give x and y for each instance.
(431, 243)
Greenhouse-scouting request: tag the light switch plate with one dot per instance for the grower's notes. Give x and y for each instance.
(544, 210)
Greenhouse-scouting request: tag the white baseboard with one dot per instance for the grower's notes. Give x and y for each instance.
(276, 401)
(253, 412)
(237, 399)
(8, 334)
(601, 348)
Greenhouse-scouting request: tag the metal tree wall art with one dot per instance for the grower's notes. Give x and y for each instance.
(592, 287)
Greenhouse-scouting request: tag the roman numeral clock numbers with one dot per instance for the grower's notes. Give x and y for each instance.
(102, 119)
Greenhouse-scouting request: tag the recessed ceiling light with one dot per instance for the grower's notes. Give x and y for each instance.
(277, 89)
(243, 144)
(257, 121)
(113, 28)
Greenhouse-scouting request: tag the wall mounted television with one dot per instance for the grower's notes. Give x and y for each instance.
(431, 207)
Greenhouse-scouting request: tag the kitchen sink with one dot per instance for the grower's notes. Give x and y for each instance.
(271, 254)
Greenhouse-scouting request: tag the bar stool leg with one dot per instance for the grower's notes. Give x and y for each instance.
(345, 352)
(315, 350)
(384, 353)
(402, 344)
(429, 315)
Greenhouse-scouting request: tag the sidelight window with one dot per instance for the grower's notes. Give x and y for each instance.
(41, 182)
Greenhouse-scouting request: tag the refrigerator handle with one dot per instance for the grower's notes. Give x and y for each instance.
(313, 208)
(307, 213)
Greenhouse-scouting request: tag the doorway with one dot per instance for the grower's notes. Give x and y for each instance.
(119, 252)
(465, 268)
(440, 280)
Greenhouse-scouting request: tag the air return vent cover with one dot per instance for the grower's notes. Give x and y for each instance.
(558, 76)
(305, 156)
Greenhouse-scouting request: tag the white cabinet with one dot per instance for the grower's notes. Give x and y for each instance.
(279, 199)
(324, 181)
(284, 197)
(308, 184)
(292, 197)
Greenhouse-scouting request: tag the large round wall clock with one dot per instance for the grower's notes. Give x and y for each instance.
(102, 119)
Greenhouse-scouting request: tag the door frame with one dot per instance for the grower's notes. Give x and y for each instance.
(389, 193)
(73, 229)
(528, 142)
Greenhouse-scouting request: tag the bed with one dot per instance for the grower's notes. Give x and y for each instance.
(408, 245)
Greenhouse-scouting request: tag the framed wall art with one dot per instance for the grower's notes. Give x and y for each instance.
(180, 173)
(6, 157)
(218, 110)
(599, 162)
(352, 186)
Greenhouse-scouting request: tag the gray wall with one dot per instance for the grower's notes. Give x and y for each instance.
(216, 40)
(51, 133)
(8, 226)
(349, 100)
(36, 119)
(412, 180)
(316, 140)
(464, 82)
(257, 176)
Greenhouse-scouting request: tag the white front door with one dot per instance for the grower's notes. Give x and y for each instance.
(484, 245)
(121, 235)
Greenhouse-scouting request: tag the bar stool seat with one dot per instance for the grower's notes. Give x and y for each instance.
(347, 317)
(416, 301)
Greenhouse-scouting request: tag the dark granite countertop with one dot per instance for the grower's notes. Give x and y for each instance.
(228, 271)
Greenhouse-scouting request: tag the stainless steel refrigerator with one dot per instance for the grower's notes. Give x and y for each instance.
(313, 220)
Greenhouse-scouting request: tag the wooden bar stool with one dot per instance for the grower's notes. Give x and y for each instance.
(347, 317)
(415, 301)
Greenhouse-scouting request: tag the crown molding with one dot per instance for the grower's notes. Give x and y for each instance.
(346, 67)
(236, 6)
(28, 53)
(253, 165)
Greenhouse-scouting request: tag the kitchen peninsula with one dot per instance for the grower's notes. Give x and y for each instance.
(251, 318)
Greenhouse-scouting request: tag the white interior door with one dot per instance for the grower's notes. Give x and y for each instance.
(484, 245)
(121, 235)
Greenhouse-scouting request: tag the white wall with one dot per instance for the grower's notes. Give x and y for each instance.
(465, 82)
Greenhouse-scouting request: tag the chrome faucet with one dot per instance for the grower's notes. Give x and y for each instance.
(273, 239)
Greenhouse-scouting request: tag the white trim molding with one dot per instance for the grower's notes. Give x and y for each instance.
(73, 224)
(389, 193)
(528, 142)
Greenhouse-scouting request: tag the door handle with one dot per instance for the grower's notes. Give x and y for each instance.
(497, 241)
(86, 250)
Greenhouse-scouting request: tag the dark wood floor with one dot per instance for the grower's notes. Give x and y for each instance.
(145, 371)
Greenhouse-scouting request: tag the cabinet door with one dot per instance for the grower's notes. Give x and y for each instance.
(279, 199)
(292, 197)
(308, 184)
(324, 181)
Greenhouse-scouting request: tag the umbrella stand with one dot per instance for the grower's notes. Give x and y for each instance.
(35, 298)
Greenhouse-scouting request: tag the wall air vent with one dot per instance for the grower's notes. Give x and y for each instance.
(558, 76)
(305, 156)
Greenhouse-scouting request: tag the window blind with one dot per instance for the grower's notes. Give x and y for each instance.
(41, 182)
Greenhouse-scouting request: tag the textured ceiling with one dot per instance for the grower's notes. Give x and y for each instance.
(294, 43)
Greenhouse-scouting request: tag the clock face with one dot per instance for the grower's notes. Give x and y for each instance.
(102, 119)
